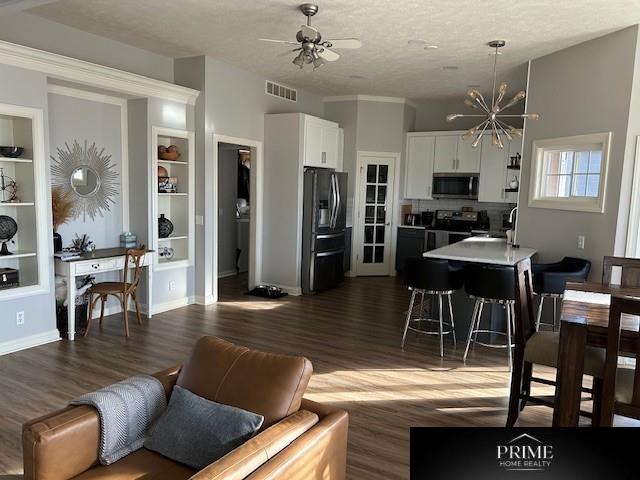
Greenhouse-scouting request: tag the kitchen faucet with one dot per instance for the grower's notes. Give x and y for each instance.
(512, 214)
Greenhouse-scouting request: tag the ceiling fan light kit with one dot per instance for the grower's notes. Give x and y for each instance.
(312, 50)
(492, 113)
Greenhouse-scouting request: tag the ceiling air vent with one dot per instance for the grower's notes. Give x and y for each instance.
(281, 91)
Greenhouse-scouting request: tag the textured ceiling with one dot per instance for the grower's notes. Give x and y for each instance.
(229, 29)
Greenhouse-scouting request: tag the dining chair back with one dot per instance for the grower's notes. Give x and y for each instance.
(630, 276)
(621, 386)
(134, 258)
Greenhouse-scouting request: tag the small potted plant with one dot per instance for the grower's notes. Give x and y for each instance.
(62, 209)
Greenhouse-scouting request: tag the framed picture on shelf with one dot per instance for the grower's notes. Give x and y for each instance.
(167, 184)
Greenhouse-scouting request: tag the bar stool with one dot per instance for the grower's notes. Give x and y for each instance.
(438, 278)
(549, 280)
(490, 284)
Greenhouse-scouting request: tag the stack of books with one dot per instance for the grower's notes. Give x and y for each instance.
(67, 254)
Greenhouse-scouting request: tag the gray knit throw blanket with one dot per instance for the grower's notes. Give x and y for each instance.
(127, 409)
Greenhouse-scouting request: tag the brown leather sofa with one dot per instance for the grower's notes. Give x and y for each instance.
(299, 439)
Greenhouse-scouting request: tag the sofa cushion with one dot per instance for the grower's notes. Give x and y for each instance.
(196, 431)
(268, 384)
(138, 465)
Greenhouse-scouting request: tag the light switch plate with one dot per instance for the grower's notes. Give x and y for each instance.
(581, 240)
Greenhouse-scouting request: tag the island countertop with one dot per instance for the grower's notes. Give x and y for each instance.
(482, 249)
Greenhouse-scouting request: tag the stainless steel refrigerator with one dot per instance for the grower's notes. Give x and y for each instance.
(323, 229)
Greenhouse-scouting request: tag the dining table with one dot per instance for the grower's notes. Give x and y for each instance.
(584, 322)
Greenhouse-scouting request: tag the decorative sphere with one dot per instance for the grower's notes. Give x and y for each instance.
(8, 228)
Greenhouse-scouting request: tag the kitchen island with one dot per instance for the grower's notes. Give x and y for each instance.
(482, 249)
(485, 249)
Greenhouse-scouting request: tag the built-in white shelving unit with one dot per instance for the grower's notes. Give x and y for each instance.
(24, 127)
(178, 207)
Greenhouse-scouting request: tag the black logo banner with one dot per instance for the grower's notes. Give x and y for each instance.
(525, 453)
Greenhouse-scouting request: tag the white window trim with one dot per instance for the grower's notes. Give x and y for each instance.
(587, 204)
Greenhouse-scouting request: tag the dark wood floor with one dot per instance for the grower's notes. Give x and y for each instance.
(351, 334)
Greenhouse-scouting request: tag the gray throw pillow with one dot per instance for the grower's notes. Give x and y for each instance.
(197, 432)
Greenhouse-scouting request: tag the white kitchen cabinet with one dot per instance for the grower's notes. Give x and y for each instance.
(446, 151)
(468, 158)
(453, 154)
(321, 139)
(419, 166)
(340, 163)
(494, 174)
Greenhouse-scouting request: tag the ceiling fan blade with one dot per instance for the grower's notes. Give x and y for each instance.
(277, 41)
(345, 43)
(309, 32)
(327, 54)
(289, 52)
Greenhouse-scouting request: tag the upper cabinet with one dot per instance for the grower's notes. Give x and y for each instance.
(419, 166)
(453, 154)
(495, 174)
(321, 143)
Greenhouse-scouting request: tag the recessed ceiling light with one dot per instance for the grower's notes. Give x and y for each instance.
(431, 47)
(356, 77)
(418, 42)
(450, 67)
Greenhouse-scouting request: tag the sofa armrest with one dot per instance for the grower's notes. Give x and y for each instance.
(239, 463)
(318, 454)
(65, 443)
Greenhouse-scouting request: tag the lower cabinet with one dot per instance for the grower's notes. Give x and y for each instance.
(410, 244)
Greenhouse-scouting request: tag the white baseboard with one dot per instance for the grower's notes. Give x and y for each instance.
(228, 273)
(30, 341)
(204, 300)
(172, 305)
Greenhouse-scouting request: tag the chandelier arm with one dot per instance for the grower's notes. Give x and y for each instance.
(515, 115)
(504, 131)
(497, 135)
(463, 115)
(483, 104)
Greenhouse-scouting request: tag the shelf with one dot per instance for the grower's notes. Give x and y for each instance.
(511, 190)
(173, 162)
(15, 160)
(17, 254)
(513, 167)
(179, 194)
(17, 204)
(177, 237)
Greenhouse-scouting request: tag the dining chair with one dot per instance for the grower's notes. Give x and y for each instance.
(630, 276)
(621, 386)
(534, 347)
(133, 260)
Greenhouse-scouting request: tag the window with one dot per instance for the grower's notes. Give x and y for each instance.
(570, 173)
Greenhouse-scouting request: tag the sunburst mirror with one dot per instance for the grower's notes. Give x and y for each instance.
(88, 176)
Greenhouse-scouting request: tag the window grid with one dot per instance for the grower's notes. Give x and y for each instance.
(572, 174)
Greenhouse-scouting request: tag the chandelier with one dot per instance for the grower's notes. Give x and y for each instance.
(493, 114)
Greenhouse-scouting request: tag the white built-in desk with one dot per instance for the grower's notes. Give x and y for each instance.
(99, 261)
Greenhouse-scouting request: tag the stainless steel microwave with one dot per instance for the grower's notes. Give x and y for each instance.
(455, 185)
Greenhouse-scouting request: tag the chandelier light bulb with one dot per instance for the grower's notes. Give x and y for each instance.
(452, 116)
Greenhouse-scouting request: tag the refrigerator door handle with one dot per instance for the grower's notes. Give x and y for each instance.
(330, 253)
(330, 235)
(338, 201)
(334, 198)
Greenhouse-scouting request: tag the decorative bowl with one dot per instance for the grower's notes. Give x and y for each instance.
(11, 151)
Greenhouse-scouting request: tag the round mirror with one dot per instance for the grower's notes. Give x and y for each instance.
(85, 181)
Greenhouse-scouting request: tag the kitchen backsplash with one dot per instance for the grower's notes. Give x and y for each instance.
(494, 210)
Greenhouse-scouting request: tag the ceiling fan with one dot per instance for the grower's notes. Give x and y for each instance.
(312, 49)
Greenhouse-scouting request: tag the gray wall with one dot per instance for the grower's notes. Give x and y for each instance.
(232, 102)
(583, 89)
(37, 32)
(28, 88)
(73, 119)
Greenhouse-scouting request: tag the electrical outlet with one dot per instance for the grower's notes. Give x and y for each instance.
(581, 242)
(19, 318)
(172, 286)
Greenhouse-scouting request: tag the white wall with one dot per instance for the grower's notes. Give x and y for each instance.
(582, 89)
(37, 32)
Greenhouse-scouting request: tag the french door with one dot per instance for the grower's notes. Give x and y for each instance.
(374, 210)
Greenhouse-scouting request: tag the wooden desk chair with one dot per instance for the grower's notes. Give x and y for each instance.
(621, 388)
(540, 348)
(133, 261)
(630, 270)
